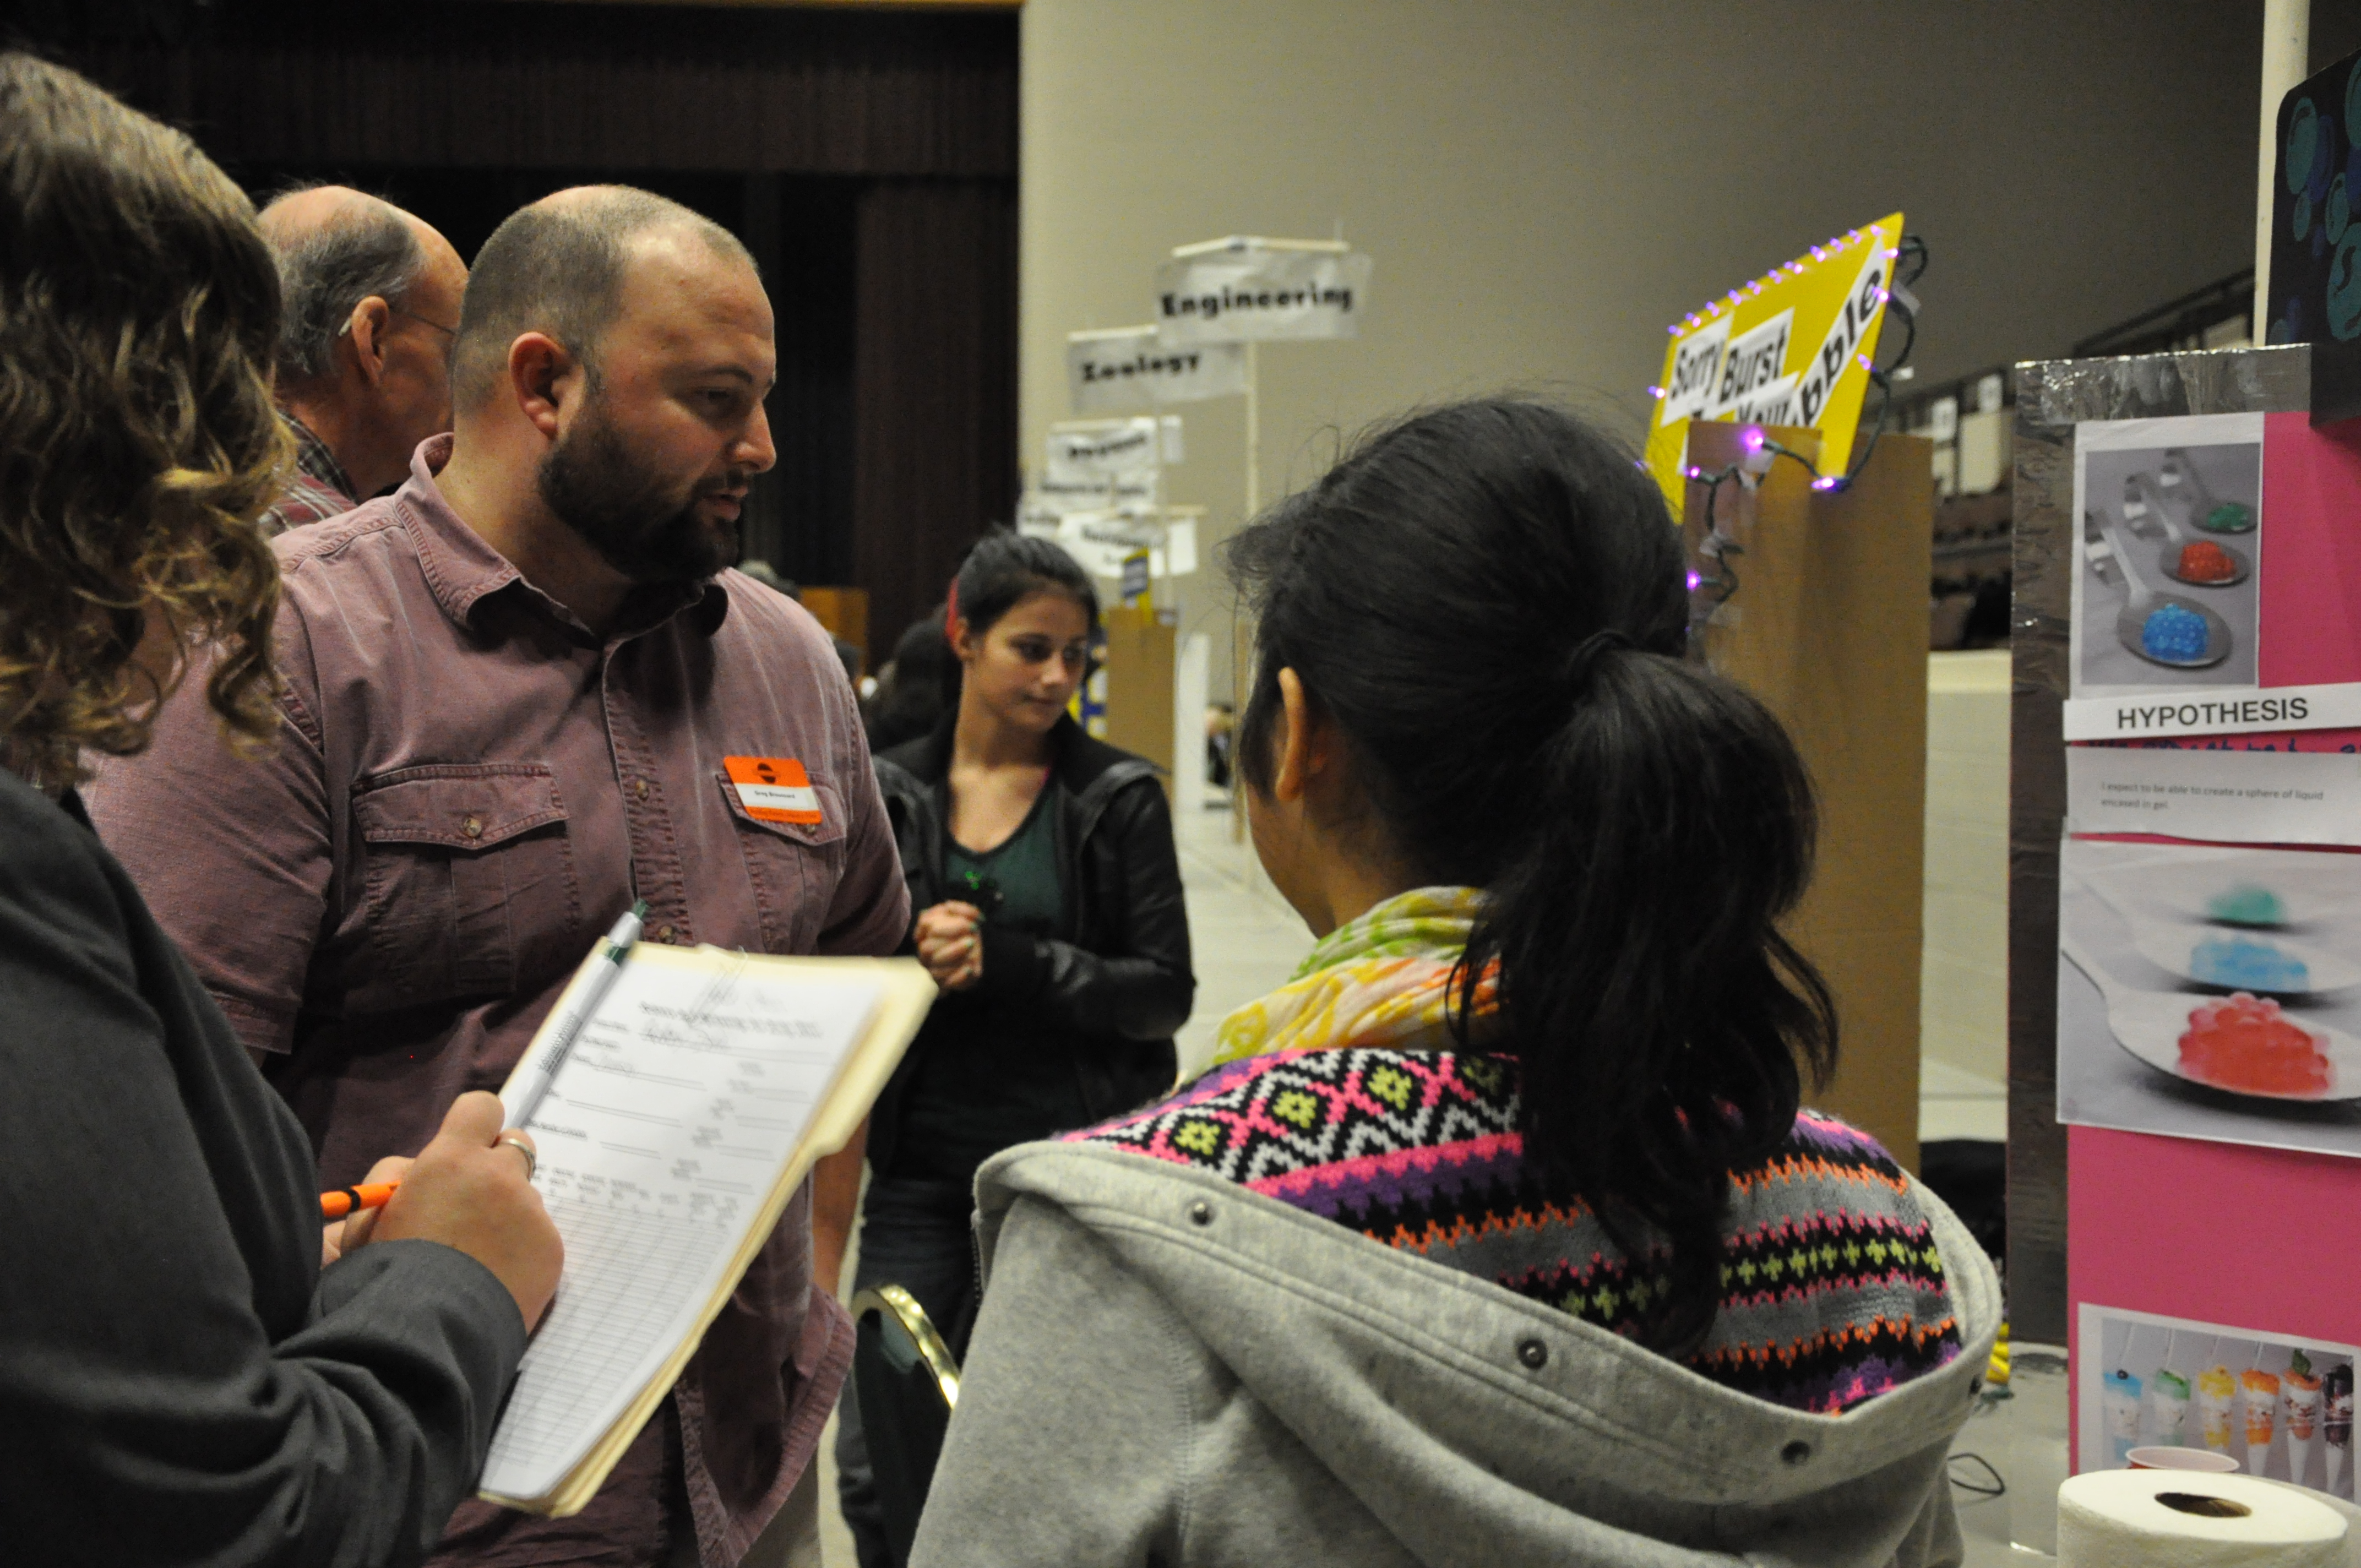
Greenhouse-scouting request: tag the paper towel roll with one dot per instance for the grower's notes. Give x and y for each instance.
(2128, 1518)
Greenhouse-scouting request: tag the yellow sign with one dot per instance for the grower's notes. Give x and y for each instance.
(1793, 348)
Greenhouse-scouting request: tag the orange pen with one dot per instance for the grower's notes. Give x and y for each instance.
(345, 1199)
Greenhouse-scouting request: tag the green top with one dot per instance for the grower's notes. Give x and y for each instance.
(1015, 884)
(993, 1072)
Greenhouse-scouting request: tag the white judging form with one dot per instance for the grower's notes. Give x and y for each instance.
(1129, 367)
(1249, 292)
(693, 1101)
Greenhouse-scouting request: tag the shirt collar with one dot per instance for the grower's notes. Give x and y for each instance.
(462, 570)
(317, 463)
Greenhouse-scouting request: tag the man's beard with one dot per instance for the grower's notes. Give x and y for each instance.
(599, 488)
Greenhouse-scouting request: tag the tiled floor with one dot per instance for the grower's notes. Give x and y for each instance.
(1244, 941)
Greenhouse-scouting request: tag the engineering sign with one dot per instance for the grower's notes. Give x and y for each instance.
(1793, 348)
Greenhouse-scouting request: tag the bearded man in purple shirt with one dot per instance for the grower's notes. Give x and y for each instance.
(511, 688)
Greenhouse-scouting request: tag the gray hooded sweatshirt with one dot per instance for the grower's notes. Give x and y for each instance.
(1171, 1369)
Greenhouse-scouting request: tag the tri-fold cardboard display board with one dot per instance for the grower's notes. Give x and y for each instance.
(1829, 629)
(2185, 909)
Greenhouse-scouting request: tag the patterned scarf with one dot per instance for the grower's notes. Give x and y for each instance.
(1384, 978)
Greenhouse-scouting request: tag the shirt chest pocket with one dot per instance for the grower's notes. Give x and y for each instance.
(468, 879)
(793, 867)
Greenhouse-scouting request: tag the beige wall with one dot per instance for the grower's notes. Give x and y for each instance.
(1544, 185)
(1963, 979)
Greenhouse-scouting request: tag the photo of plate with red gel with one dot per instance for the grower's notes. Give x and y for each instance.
(2210, 991)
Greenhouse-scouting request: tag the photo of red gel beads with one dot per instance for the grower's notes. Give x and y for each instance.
(2241, 1042)
(2206, 562)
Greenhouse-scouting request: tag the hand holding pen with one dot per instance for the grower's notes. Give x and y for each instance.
(470, 1189)
(357, 1209)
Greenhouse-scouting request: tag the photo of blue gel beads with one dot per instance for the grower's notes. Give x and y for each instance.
(2244, 965)
(2172, 633)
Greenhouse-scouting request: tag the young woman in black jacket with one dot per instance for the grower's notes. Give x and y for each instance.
(1041, 864)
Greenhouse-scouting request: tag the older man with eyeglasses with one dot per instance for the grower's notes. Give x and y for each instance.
(363, 373)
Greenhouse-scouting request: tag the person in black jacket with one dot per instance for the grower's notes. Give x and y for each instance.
(192, 1372)
(1042, 866)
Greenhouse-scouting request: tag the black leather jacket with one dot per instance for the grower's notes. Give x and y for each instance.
(1114, 995)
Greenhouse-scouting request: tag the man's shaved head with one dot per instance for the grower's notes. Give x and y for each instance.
(558, 267)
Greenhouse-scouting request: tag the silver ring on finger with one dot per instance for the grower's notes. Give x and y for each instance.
(531, 1161)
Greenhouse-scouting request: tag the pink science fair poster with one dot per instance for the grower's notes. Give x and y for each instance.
(2209, 976)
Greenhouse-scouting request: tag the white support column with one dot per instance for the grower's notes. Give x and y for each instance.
(1254, 431)
(2287, 52)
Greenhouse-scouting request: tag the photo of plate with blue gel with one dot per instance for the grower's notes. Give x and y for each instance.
(2170, 532)
(2308, 895)
(2272, 965)
(2268, 962)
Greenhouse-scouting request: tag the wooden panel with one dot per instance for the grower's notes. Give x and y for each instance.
(844, 611)
(1829, 627)
(1139, 687)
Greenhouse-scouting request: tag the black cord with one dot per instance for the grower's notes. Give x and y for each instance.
(1997, 1488)
(1911, 249)
(1725, 578)
(1910, 253)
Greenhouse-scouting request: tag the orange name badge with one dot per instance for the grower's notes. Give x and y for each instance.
(773, 789)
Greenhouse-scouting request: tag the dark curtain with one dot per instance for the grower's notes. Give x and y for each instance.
(800, 516)
(511, 85)
(867, 158)
(934, 386)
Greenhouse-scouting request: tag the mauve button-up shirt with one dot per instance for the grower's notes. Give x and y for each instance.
(470, 786)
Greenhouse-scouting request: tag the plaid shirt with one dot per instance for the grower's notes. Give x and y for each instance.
(320, 489)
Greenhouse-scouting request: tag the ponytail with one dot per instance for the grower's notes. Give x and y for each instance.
(1658, 1011)
(1488, 599)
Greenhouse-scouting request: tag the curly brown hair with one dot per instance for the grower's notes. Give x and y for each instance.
(138, 313)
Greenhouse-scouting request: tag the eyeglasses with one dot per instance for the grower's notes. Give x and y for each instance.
(413, 315)
(345, 330)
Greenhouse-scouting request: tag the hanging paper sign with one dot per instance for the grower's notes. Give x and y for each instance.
(1103, 541)
(1793, 348)
(1058, 494)
(1137, 488)
(1111, 447)
(1255, 295)
(1108, 372)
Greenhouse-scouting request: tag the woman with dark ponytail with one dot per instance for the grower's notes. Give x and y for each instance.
(1498, 1233)
(1041, 866)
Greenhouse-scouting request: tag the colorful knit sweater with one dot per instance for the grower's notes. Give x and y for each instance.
(1833, 1290)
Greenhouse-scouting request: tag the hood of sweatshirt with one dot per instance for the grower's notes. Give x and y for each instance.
(1482, 1426)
